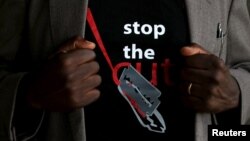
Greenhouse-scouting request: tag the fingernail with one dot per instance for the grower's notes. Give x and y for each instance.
(85, 44)
(89, 44)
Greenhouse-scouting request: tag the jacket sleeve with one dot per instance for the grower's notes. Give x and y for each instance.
(12, 19)
(238, 53)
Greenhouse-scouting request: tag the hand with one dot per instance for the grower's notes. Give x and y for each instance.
(68, 80)
(212, 89)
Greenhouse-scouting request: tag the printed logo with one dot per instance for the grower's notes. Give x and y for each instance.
(142, 97)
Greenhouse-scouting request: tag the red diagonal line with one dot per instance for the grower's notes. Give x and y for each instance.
(98, 38)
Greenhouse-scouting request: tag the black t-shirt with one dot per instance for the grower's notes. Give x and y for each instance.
(138, 101)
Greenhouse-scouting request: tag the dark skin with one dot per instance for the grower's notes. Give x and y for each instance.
(69, 80)
(213, 88)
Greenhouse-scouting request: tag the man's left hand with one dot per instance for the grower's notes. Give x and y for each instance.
(206, 82)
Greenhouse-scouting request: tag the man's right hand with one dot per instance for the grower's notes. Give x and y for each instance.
(69, 80)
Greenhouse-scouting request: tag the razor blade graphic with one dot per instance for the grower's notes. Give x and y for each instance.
(143, 98)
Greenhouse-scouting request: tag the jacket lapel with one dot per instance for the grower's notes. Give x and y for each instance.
(67, 19)
(204, 16)
(203, 22)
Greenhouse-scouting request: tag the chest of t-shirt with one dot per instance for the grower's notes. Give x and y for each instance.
(146, 35)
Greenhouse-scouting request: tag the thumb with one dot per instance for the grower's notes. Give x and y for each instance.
(192, 50)
(77, 43)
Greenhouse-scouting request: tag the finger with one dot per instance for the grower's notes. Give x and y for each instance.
(76, 43)
(200, 76)
(193, 49)
(91, 82)
(74, 96)
(82, 43)
(87, 92)
(85, 85)
(76, 57)
(195, 90)
(199, 61)
(194, 103)
(84, 71)
(88, 98)
(183, 87)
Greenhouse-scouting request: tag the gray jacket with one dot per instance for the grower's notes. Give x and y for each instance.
(48, 23)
